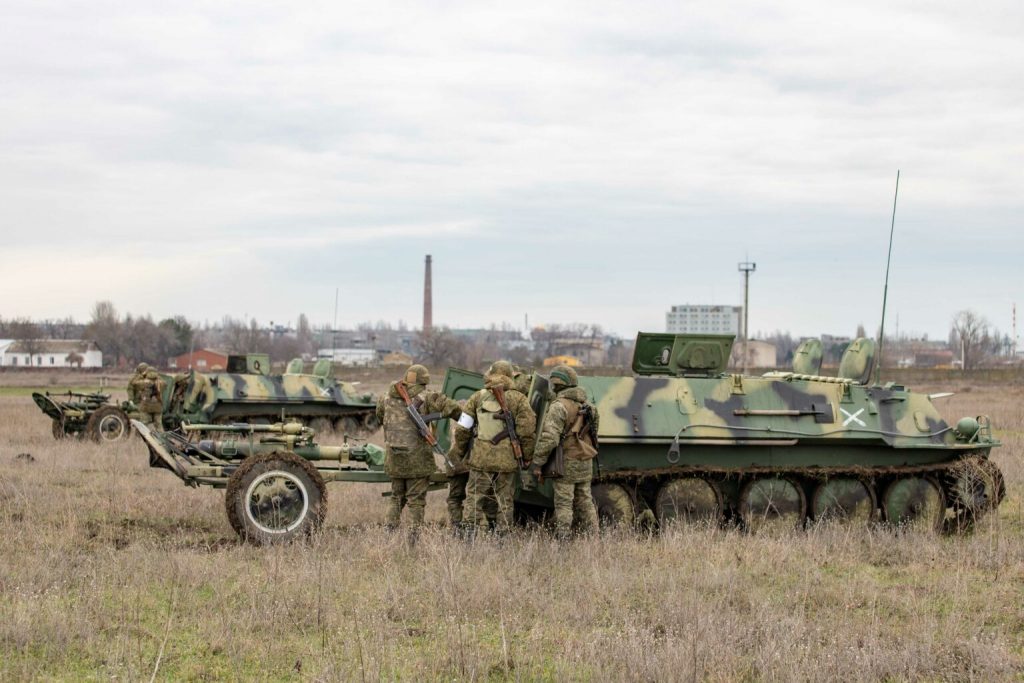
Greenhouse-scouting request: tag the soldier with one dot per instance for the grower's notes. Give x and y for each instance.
(571, 424)
(409, 459)
(135, 382)
(150, 393)
(492, 461)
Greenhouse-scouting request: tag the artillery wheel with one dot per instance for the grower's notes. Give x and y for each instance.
(772, 504)
(58, 430)
(688, 500)
(977, 487)
(108, 424)
(843, 499)
(275, 498)
(916, 503)
(615, 507)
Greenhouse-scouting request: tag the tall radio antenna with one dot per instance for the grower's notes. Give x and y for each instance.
(885, 291)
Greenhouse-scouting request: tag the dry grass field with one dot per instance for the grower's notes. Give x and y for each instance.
(111, 570)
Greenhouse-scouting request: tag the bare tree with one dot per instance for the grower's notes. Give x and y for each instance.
(29, 338)
(439, 347)
(106, 330)
(969, 332)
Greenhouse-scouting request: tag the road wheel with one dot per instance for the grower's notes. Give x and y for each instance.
(843, 499)
(108, 424)
(615, 507)
(321, 425)
(58, 430)
(275, 498)
(690, 500)
(915, 502)
(772, 504)
(348, 426)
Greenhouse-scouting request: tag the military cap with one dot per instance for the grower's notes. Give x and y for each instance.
(141, 368)
(417, 374)
(563, 376)
(500, 367)
(152, 374)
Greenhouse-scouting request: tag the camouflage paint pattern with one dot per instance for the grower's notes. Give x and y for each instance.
(237, 397)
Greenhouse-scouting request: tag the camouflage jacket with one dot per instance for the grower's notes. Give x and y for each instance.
(134, 383)
(483, 408)
(408, 455)
(555, 419)
(148, 393)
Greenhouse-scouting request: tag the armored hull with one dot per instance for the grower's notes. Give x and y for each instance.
(315, 399)
(684, 440)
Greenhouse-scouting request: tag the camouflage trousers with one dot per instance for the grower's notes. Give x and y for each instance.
(489, 488)
(411, 492)
(457, 500)
(573, 499)
(152, 418)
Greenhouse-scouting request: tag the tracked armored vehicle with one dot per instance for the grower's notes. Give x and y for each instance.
(248, 392)
(686, 440)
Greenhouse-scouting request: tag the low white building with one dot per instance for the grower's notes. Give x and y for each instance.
(356, 357)
(51, 353)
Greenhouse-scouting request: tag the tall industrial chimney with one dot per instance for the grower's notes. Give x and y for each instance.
(428, 305)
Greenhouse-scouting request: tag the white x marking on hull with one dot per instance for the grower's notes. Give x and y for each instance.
(853, 417)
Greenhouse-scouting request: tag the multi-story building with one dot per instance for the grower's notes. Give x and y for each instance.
(704, 319)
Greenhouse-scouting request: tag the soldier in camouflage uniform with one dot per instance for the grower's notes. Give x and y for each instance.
(150, 393)
(565, 425)
(135, 382)
(492, 463)
(409, 460)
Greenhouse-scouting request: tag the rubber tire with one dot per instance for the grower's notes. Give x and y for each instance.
(58, 430)
(615, 507)
(92, 427)
(253, 467)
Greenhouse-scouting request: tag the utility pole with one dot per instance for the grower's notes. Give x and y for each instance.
(746, 267)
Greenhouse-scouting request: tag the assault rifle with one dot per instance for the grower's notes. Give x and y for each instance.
(510, 426)
(421, 426)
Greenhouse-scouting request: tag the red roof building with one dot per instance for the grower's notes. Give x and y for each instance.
(202, 360)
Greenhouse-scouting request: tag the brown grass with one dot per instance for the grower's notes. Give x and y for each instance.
(112, 570)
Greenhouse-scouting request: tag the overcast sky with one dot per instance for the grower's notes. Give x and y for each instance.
(574, 161)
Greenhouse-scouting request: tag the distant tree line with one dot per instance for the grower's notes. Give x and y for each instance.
(128, 339)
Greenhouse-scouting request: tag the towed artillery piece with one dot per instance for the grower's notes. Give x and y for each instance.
(89, 415)
(274, 476)
(689, 441)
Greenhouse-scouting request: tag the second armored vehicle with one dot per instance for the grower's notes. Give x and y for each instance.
(249, 392)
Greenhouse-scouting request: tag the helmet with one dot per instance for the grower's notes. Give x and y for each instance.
(152, 374)
(141, 368)
(500, 367)
(563, 376)
(417, 374)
